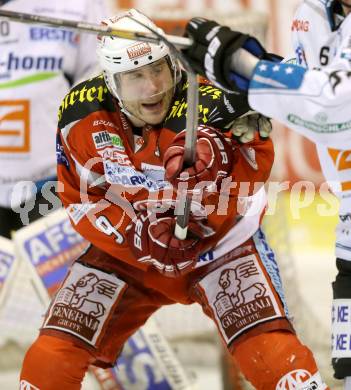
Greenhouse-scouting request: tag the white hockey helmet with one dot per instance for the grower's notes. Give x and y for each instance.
(117, 55)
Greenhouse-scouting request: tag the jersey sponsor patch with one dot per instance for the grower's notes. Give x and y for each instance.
(77, 211)
(104, 139)
(130, 177)
(84, 303)
(239, 296)
(114, 154)
(101, 139)
(154, 172)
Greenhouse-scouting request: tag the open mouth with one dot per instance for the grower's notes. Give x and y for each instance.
(153, 106)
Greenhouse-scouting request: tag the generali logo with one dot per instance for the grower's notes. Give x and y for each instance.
(242, 299)
(139, 50)
(14, 126)
(76, 306)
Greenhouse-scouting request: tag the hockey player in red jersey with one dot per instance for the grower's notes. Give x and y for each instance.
(120, 147)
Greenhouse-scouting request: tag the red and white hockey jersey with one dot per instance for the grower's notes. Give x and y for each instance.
(107, 170)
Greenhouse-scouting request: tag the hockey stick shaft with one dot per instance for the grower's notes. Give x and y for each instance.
(238, 59)
(184, 207)
(179, 42)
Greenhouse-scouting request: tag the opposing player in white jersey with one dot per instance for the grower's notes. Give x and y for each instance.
(314, 99)
(38, 65)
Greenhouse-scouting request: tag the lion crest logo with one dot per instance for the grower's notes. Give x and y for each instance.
(80, 295)
(231, 282)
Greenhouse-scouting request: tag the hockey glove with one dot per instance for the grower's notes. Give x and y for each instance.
(151, 238)
(212, 163)
(211, 53)
(245, 127)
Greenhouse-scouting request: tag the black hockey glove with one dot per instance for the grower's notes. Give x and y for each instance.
(210, 54)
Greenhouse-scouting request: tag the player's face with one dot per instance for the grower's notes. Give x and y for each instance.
(147, 92)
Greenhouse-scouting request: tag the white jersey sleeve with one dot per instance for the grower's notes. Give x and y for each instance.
(313, 102)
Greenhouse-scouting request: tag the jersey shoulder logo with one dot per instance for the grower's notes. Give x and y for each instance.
(216, 108)
(87, 97)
